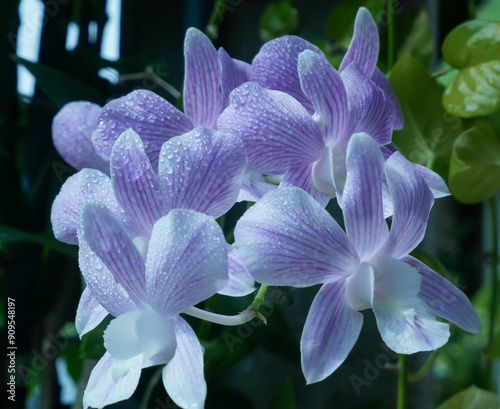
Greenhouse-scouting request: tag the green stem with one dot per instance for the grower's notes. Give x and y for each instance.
(402, 381)
(494, 269)
(259, 297)
(212, 29)
(442, 72)
(390, 35)
(416, 376)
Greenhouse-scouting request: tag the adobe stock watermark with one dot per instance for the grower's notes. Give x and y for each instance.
(245, 331)
(437, 137)
(51, 347)
(385, 360)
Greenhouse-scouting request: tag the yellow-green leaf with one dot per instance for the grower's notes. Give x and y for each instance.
(472, 398)
(475, 91)
(474, 48)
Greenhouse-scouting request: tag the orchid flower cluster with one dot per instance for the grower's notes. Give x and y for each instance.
(152, 181)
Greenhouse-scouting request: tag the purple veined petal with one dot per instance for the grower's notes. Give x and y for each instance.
(365, 45)
(362, 195)
(412, 201)
(134, 182)
(383, 83)
(406, 323)
(76, 190)
(303, 177)
(183, 376)
(233, 74)
(101, 282)
(240, 281)
(330, 332)
(105, 388)
(370, 110)
(155, 119)
(288, 238)
(202, 170)
(275, 66)
(187, 261)
(108, 239)
(72, 128)
(276, 129)
(254, 186)
(445, 300)
(202, 80)
(436, 183)
(323, 86)
(89, 313)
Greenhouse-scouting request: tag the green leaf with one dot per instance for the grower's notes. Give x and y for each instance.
(11, 235)
(475, 91)
(474, 48)
(60, 87)
(278, 19)
(475, 165)
(284, 398)
(472, 398)
(416, 37)
(429, 131)
(340, 24)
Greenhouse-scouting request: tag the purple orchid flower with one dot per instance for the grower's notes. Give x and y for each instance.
(72, 128)
(287, 238)
(210, 75)
(200, 170)
(281, 136)
(275, 66)
(186, 263)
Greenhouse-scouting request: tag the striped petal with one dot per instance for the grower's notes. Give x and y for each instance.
(412, 202)
(202, 80)
(275, 66)
(288, 238)
(365, 45)
(106, 387)
(276, 129)
(77, 189)
(72, 128)
(405, 321)
(323, 86)
(330, 332)
(134, 182)
(183, 376)
(89, 313)
(107, 238)
(362, 195)
(370, 110)
(445, 300)
(187, 261)
(155, 119)
(202, 170)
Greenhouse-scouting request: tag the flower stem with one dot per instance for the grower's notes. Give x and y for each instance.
(390, 35)
(402, 381)
(230, 320)
(416, 376)
(251, 312)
